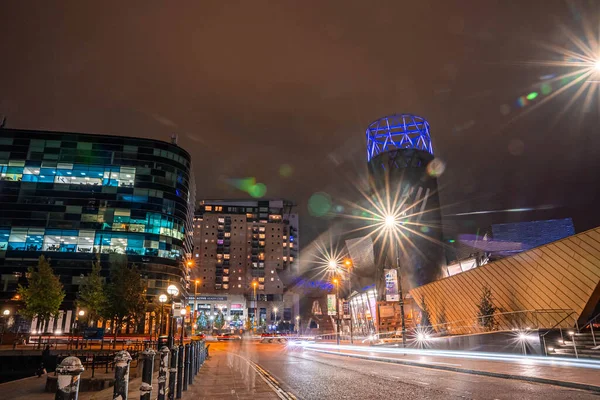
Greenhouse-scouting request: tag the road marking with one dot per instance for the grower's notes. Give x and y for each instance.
(268, 378)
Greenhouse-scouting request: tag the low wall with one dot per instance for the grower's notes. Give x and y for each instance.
(494, 342)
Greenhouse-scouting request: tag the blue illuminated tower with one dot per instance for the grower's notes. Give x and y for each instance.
(399, 151)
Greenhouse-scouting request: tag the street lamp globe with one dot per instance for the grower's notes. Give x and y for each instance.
(162, 298)
(182, 311)
(597, 65)
(6, 312)
(390, 221)
(275, 309)
(297, 317)
(81, 313)
(332, 264)
(172, 290)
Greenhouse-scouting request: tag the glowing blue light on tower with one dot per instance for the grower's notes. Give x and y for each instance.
(397, 132)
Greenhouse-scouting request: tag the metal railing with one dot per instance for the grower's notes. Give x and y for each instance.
(507, 321)
(185, 363)
(591, 325)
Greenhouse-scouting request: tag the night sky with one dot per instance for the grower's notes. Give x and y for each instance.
(249, 86)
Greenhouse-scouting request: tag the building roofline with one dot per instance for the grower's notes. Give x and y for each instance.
(104, 135)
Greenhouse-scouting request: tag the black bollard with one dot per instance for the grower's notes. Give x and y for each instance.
(180, 363)
(192, 365)
(186, 371)
(162, 373)
(173, 373)
(147, 370)
(122, 360)
(68, 371)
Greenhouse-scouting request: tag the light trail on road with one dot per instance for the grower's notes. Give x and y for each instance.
(504, 357)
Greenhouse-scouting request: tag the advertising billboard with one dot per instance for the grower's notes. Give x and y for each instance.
(331, 304)
(391, 285)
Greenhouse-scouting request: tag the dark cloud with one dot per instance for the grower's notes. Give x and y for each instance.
(251, 85)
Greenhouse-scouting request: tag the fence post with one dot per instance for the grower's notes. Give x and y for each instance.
(122, 360)
(69, 371)
(173, 373)
(186, 373)
(192, 365)
(180, 362)
(147, 371)
(162, 372)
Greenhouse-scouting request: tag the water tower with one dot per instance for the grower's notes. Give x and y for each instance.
(400, 158)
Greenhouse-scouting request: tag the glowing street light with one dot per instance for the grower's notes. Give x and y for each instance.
(6, 312)
(81, 313)
(173, 291)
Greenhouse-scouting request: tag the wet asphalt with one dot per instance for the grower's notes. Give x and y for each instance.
(310, 375)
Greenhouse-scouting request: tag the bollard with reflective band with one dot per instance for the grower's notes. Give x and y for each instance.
(192, 365)
(68, 372)
(146, 387)
(121, 388)
(162, 373)
(186, 370)
(173, 372)
(180, 363)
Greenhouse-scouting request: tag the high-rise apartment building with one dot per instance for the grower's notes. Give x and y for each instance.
(242, 248)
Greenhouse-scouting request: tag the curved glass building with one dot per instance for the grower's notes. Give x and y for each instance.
(72, 196)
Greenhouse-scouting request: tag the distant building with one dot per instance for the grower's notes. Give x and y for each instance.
(503, 240)
(239, 243)
(74, 196)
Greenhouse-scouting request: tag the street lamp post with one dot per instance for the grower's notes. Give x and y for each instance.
(162, 299)
(173, 292)
(298, 324)
(196, 282)
(182, 312)
(275, 311)
(390, 222)
(254, 285)
(336, 282)
(348, 264)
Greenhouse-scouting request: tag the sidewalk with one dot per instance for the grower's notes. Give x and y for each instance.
(579, 374)
(228, 376)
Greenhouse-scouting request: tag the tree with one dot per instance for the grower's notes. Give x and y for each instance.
(219, 320)
(425, 316)
(125, 293)
(44, 292)
(202, 322)
(486, 310)
(236, 320)
(92, 294)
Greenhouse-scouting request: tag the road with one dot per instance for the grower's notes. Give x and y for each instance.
(309, 375)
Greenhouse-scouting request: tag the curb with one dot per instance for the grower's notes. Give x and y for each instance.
(568, 384)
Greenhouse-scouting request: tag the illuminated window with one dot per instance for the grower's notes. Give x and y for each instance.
(261, 279)
(208, 208)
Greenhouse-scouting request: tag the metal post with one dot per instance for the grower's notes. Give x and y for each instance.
(593, 336)
(337, 309)
(148, 369)
(192, 365)
(68, 371)
(162, 373)
(173, 373)
(574, 345)
(401, 295)
(180, 371)
(186, 371)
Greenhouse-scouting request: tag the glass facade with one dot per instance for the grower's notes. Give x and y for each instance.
(72, 196)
